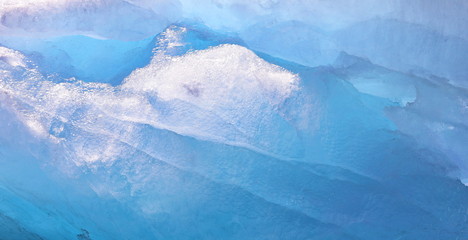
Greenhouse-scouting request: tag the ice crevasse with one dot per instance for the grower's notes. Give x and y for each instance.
(182, 119)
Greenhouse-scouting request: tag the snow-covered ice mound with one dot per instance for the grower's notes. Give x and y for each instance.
(141, 119)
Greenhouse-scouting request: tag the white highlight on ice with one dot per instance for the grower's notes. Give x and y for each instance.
(225, 94)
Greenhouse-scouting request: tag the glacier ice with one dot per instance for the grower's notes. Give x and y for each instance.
(85, 58)
(233, 119)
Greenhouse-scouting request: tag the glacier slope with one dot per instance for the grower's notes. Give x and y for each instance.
(126, 143)
(427, 31)
(276, 150)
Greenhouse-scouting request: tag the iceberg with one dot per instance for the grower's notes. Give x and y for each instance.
(233, 119)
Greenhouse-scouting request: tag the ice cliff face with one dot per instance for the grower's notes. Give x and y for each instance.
(144, 119)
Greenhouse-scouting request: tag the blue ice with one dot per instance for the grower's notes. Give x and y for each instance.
(181, 119)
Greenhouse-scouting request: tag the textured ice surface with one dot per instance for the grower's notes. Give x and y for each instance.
(144, 119)
(308, 32)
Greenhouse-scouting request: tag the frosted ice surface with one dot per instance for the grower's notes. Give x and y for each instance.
(237, 90)
(293, 30)
(233, 119)
(204, 94)
(89, 18)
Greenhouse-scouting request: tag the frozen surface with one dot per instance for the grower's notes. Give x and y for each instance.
(155, 119)
(408, 36)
